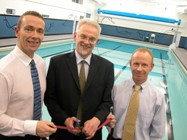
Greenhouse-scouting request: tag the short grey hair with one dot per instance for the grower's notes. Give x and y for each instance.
(88, 22)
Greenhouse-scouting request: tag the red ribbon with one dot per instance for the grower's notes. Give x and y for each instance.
(66, 128)
(62, 127)
(103, 124)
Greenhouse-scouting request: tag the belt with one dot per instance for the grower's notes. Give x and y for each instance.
(27, 137)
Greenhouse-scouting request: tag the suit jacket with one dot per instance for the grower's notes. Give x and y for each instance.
(63, 91)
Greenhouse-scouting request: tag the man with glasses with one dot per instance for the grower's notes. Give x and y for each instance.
(65, 96)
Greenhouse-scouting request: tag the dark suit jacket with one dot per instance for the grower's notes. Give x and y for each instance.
(63, 91)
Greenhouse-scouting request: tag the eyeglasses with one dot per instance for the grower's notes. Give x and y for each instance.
(91, 40)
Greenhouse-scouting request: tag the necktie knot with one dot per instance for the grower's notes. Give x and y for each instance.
(32, 63)
(83, 62)
(137, 88)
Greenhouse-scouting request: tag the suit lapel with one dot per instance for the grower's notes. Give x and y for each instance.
(73, 67)
(72, 64)
(92, 70)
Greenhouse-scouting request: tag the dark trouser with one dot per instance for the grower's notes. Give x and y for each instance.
(115, 139)
(75, 137)
(65, 135)
(27, 137)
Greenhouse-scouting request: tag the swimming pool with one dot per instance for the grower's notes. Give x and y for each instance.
(119, 53)
(167, 75)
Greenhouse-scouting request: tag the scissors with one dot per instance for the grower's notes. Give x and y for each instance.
(77, 123)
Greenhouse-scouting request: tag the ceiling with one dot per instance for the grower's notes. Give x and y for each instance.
(177, 3)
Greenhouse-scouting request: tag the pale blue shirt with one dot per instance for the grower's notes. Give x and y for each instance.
(16, 93)
(150, 123)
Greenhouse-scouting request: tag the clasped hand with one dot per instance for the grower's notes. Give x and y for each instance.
(89, 129)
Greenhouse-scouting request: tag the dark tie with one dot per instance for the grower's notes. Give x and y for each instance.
(37, 92)
(82, 81)
(130, 119)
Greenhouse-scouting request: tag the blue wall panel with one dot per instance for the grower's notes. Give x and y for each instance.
(53, 26)
(7, 24)
(135, 34)
(183, 42)
(59, 27)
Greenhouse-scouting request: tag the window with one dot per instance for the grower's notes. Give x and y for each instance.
(88, 15)
(78, 1)
(10, 11)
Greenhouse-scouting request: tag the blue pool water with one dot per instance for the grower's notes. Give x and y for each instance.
(167, 75)
(118, 53)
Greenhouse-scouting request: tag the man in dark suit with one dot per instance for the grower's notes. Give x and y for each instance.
(63, 95)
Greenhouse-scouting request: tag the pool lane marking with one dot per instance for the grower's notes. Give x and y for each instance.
(110, 50)
(123, 68)
(56, 53)
(168, 111)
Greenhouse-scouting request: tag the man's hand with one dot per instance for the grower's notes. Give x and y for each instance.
(69, 122)
(90, 127)
(112, 120)
(45, 128)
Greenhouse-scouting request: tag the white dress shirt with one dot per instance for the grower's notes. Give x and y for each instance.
(150, 123)
(16, 93)
(86, 65)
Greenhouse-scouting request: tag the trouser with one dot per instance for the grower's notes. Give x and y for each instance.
(27, 137)
(115, 139)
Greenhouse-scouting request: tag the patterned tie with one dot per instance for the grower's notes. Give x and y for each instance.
(130, 120)
(37, 91)
(82, 81)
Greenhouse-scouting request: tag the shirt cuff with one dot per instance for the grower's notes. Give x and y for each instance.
(30, 127)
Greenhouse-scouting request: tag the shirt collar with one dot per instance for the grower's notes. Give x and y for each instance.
(22, 56)
(79, 58)
(143, 86)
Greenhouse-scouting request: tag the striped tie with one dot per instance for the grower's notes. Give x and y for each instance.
(37, 92)
(130, 119)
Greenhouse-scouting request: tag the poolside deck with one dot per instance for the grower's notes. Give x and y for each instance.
(13, 41)
(180, 52)
(182, 56)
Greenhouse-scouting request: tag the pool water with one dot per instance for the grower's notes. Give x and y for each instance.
(168, 75)
(119, 53)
